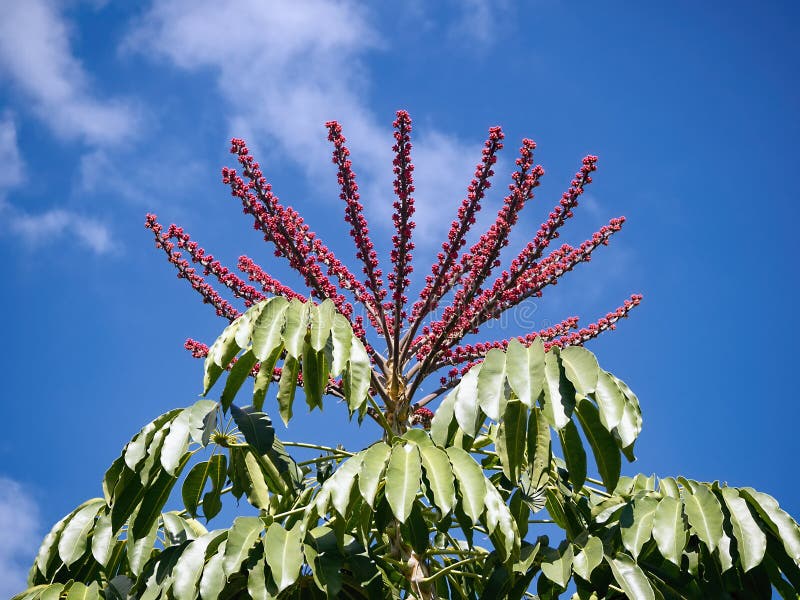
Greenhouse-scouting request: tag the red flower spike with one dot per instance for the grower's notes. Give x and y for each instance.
(359, 231)
(403, 211)
(463, 273)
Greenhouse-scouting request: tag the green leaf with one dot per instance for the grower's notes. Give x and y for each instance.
(559, 395)
(202, 421)
(153, 502)
(358, 375)
(284, 554)
(342, 335)
(372, 470)
(195, 482)
(294, 334)
(217, 474)
(175, 443)
(557, 566)
(539, 446)
(630, 577)
(704, 513)
(581, 368)
(73, 539)
(439, 476)
(79, 591)
(241, 538)
(510, 441)
(402, 478)
(341, 483)
(268, 327)
(669, 529)
(492, 384)
(256, 485)
(609, 399)
(466, 407)
(574, 454)
(471, 484)
(443, 419)
(589, 558)
(777, 519)
(321, 323)
(238, 375)
(255, 426)
(189, 567)
(315, 376)
(287, 386)
(499, 518)
(750, 540)
(140, 550)
(636, 523)
(669, 487)
(103, 539)
(213, 579)
(604, 448)
(519, 373)
(265, 374)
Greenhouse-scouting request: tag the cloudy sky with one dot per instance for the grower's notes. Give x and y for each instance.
(108, 112)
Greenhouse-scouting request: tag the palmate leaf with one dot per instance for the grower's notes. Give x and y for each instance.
(560, 388)
(312, 339)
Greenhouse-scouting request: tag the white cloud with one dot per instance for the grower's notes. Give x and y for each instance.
(11, 165)
(48, 226)
(20, 534)
(289, 68)
(35, 55)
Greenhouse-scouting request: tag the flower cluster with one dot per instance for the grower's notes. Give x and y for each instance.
(417, 344)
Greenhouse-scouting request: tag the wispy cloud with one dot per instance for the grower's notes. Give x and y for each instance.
(293, 66)
(37, 229)
(35, 55)
(20, 534)
(11, 164)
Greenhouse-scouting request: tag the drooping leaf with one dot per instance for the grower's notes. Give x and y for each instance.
(342, 336)
(539, 446)
(589, 558)
(268, 327)
(74, 537)
(630, 577)
(321, 324)
(559, 395)
(315, 376)
(189, 567)
(636, 523)
(439, 476)
(403, 476)
(574, 454)
(294, 333)
(777, 519)
(284, 554)
(357, 378)
(581, 368)
(669, 529)
(465, 407)
(373, 467)
(341, 483)
(255, 426)
(750, 540)
(557, 566)
(491, 384)
(511, 440)
(238, 375)
(609, 399)
(704, 513)
(241, 538)
(287, 386)
(471, 485)
(606, 453)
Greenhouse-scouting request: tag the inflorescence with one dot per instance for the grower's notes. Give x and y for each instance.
(417, 343)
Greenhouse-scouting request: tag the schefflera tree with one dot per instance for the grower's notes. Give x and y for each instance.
(487, 497)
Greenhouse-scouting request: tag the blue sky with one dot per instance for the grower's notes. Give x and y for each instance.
(109, 111)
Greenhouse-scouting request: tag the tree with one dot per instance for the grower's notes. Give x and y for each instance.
(471, 501)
